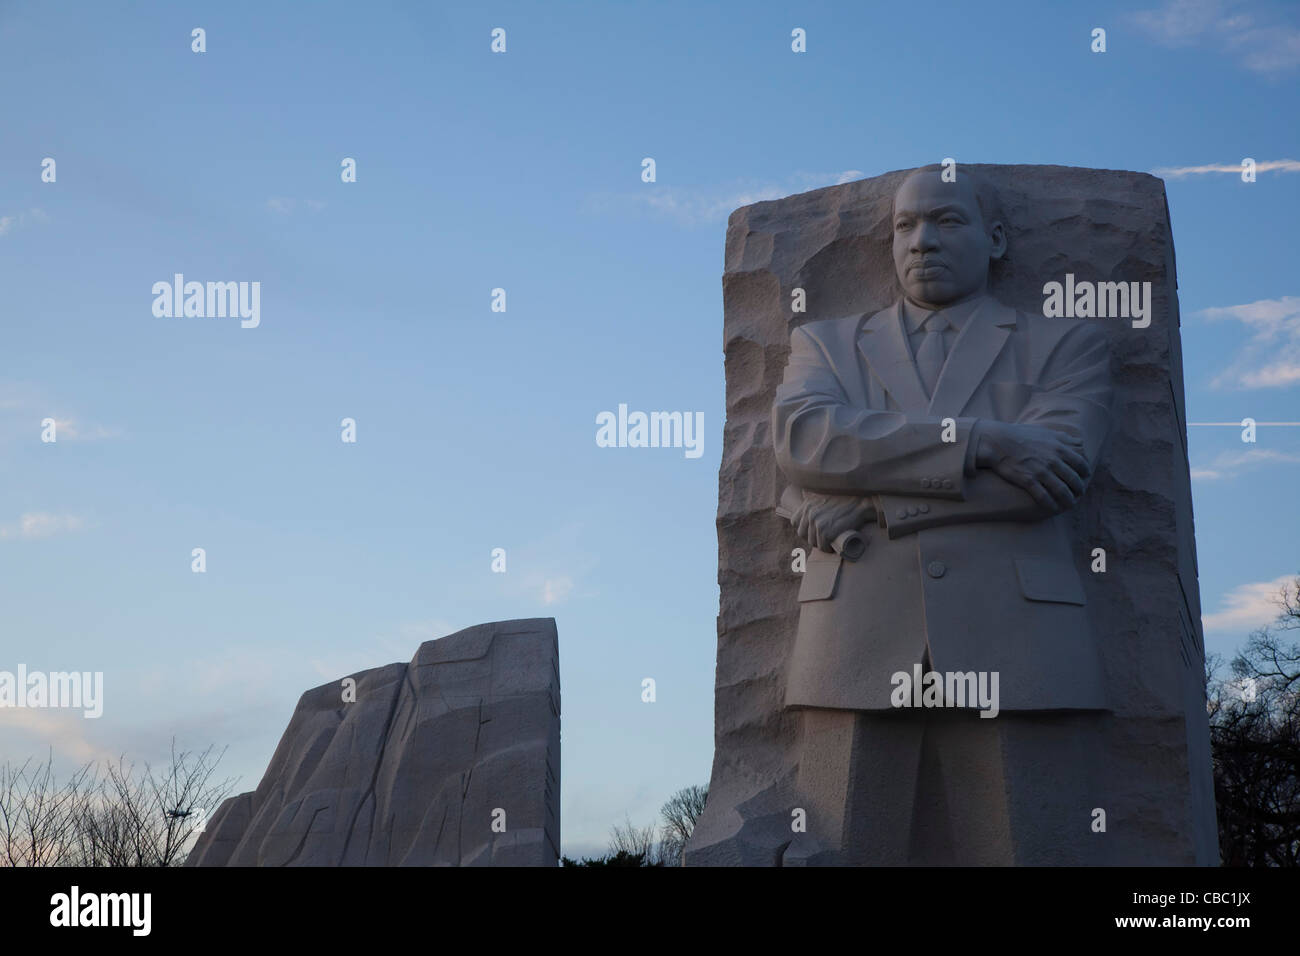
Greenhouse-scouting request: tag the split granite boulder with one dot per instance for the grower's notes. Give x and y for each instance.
(451, 760)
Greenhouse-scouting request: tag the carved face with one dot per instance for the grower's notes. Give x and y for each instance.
(942, 246)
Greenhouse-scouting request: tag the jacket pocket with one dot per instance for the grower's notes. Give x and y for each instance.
(820, 576)
(1046, 579)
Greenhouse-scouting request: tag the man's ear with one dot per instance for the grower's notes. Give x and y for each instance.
(998, 238)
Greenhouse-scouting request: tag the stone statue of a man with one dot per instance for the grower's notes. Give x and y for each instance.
(949, 674)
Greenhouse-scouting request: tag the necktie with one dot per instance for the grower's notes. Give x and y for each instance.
(930, 356)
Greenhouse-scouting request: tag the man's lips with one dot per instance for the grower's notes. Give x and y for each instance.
(927, 270)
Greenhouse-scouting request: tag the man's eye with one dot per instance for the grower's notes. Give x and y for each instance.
(950, 221)
(902, 225)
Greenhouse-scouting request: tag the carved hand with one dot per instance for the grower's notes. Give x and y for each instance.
(823, 518)
(1047, 463)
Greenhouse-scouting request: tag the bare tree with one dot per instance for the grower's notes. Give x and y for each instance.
(635, 841)
(110, 815)
(679, 815)
(37, 816)
(664, 844)
(1255, 738)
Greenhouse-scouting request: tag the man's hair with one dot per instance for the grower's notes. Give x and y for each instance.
(985, 195)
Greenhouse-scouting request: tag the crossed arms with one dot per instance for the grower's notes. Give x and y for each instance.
(853, 462)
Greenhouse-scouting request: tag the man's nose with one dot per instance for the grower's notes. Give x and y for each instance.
(925, 237)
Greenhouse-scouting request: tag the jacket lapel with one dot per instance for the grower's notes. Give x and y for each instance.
(980, 342)
(890, 360)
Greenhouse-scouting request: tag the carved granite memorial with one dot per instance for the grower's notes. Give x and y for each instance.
(452, 759)
(960, 620)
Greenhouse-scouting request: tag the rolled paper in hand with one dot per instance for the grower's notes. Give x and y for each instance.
(850, 545)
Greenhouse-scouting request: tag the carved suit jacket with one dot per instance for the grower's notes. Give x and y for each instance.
(963, 571)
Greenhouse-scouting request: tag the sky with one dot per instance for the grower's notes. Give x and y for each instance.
(475, 429)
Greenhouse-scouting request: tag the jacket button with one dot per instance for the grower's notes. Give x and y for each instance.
(902, 512)
(936, 569)
(911, 509)
(925, 482)
(947, 482)
(925, 509)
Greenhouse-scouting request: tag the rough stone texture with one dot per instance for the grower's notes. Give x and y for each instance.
(1155, 783)
(411, 772)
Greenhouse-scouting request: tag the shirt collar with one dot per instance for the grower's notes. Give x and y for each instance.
(914, 315)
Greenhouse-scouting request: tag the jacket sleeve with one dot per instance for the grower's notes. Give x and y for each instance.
(1073, 395)
(826, 445)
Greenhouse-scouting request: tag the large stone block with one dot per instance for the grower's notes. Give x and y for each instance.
(1154, 781)
(417, 768)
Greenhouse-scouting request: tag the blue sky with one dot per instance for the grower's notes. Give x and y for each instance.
(476, 429)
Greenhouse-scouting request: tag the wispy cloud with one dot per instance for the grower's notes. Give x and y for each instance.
(1270, 357)
(1266, 46)
(283, 206)
(555, 590)
(37, 524)
(1249, 606)
(1232, 463)
(1179, 22)
(31, 217)
(1263, 166)
(704, 205)
(23, 412)
(70, 429)
(63, 731)
(551, 570)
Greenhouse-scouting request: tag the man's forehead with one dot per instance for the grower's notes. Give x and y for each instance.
(927, 192)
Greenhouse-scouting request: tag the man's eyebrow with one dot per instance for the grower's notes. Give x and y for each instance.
(936, 211)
